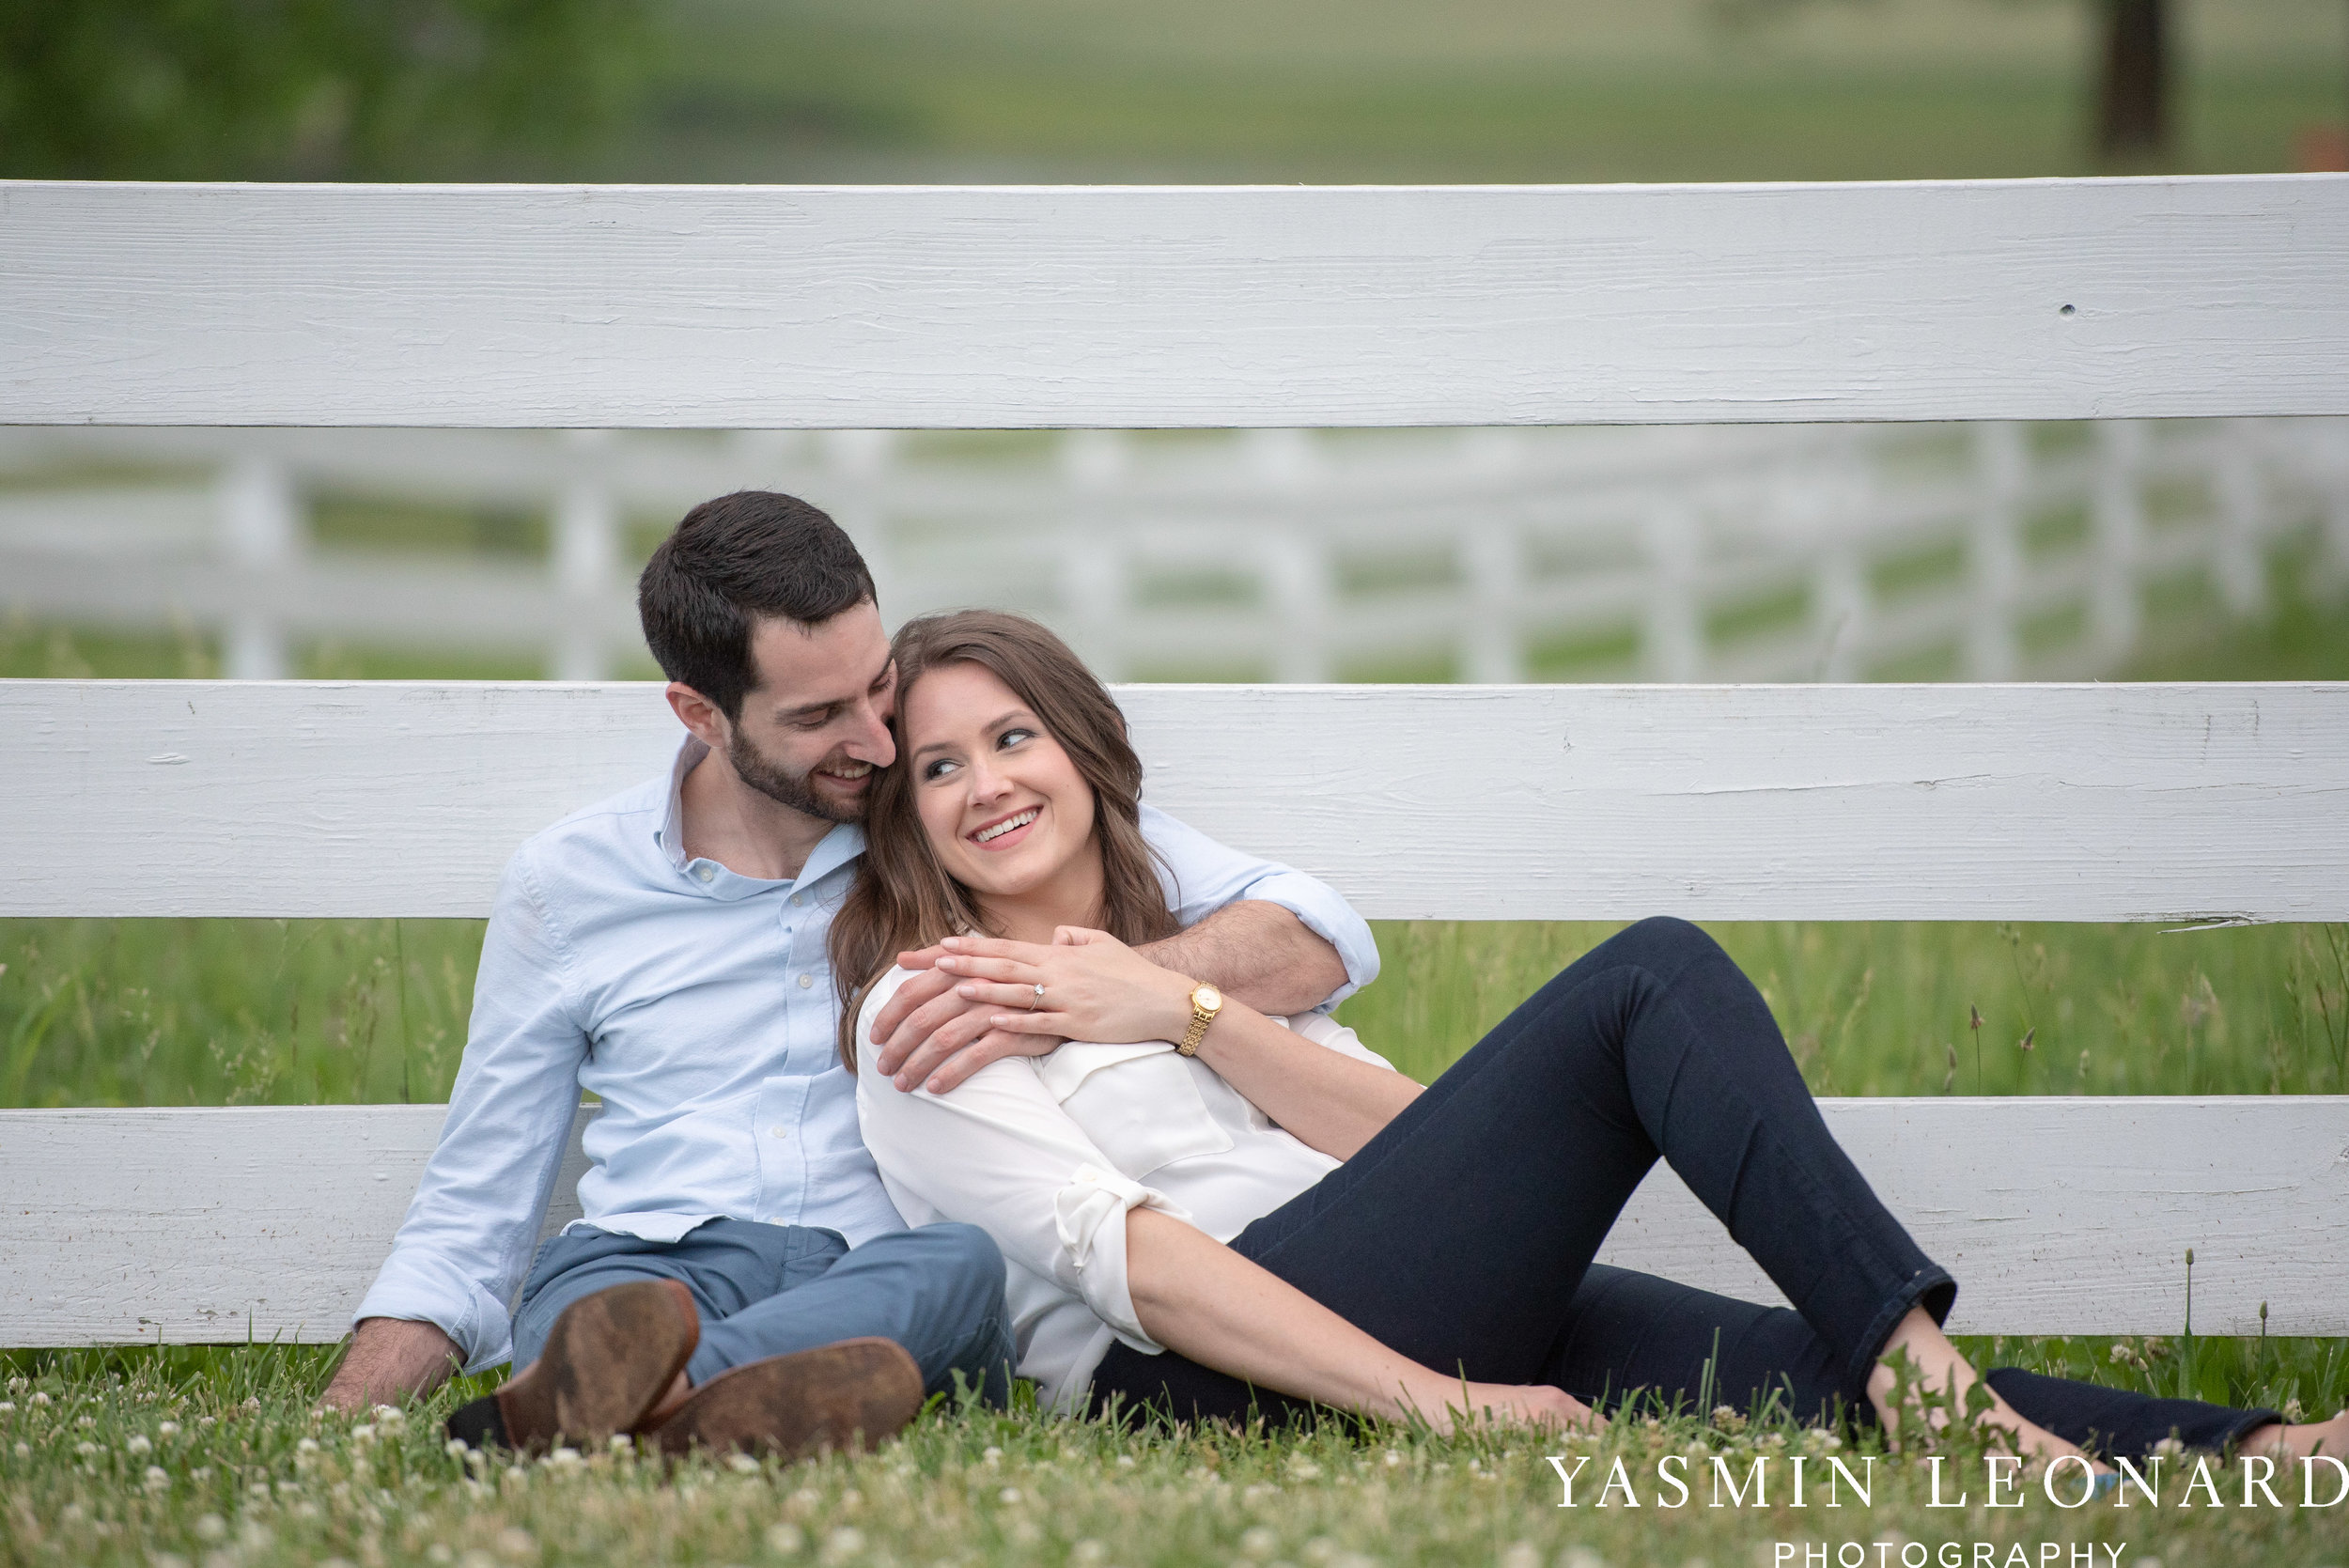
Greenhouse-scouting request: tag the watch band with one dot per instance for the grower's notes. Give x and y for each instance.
(1205, 1002)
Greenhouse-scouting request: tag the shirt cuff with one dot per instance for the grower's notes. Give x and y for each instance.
(1090, 1213)
(1329, 917)
(417, 1290)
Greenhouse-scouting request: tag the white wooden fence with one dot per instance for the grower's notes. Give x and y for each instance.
(2056, 300)
(1487, 554)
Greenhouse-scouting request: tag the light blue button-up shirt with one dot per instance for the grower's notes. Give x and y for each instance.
(698, 1005)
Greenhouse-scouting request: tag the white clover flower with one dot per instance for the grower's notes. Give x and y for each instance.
(139, 1445)
(1009, 1494)
(86, 1422)
(210, 1527)
(1393, 1459)
(202, 1472)
(1087, 1552)
(991, 1456)
(742, 1464)
(8, 1408)
(623, 1443)
(2169, 1448)
(157, 1476)
(785, 1540)
(844, 1544)
(307, 1445)
(169, 1429)
(1260, 1541)
(86, 1449)
(23, 1450)
(41, 1399)
(1522, 1554)
(363, 1434)
(514, 1541)
(390, 1418)
(454, 1447)
(1124, 1461)
(2120, 1357)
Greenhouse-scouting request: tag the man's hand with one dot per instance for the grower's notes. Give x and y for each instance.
(391, 1359)
(978, 1003)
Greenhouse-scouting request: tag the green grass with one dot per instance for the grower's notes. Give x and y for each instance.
(152, 1012)
(1486, 90)
(160, 1458)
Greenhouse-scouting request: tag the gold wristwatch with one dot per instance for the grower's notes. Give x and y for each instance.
(1205, 1002)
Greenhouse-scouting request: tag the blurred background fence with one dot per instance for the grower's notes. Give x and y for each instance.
(1988, 552)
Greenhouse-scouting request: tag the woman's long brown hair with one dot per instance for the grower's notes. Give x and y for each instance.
(902, 898)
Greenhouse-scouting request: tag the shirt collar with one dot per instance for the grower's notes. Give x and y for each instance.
(835, 850)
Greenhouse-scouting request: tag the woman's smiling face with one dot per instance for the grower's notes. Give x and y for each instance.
(1005, 810)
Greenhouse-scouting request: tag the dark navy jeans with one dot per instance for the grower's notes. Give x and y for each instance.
(767, 1290)
(1463, 1235)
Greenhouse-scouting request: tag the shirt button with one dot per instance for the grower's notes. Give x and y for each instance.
(805, 981)
(798, 898)
(780, 1131)
(706, 871)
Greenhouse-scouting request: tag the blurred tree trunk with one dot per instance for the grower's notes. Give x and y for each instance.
(2133, 96)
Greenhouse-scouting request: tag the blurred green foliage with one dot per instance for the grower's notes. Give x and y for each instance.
(181, 89)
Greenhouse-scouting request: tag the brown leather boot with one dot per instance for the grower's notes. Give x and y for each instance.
(608, 1361)
(836, 1396)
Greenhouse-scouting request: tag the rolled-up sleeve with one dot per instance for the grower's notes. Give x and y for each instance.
(1204, 876)
(462, 1250)
(999, 1153)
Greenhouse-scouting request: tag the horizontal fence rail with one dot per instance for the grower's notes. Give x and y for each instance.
(2057, 1216)
(971, 307)
(1993, 551)
(2186, 803)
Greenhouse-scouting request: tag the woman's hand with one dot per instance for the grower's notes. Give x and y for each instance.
(1095, 987)
(1531, 1404)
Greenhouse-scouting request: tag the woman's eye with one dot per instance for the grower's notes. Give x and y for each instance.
(1011, 738)
(937, 770)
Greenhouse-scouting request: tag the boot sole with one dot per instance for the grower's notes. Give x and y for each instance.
(609, 1359)
(855, 1394)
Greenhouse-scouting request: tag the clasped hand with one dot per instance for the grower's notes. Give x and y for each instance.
(972, 1001)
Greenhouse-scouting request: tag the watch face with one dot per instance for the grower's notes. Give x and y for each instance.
(1206, 999)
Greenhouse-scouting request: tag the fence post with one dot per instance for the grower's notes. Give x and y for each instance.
(2239, 553)
(862, 461)
(1493, 642)
(586, 565)
(2117, 515)
(1671, 642)
(1093, 580)
(261, 535)
(1995, 551)
(2331, 471)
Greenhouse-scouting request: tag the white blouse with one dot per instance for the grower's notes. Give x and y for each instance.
(1047, 1154)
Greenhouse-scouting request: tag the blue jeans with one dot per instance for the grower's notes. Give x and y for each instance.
(767, 1290)
(1463, 1235)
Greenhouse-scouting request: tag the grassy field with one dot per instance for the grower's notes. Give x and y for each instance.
(175, 1459)
(331, 1011)
(1477, 91)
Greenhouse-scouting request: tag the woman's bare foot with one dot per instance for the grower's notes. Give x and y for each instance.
(2298, 1442)
(1935, 1362)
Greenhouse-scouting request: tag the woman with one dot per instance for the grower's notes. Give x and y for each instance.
(1280, 1217)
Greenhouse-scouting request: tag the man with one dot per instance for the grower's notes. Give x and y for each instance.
(740, 1275)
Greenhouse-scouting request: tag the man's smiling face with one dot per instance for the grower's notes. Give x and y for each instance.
(816, 725)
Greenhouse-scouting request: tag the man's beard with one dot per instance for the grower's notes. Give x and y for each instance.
(796, 791)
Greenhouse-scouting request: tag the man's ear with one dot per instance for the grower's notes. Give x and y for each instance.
(699, 715)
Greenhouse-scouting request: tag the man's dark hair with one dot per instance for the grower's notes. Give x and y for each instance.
(733, 560)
